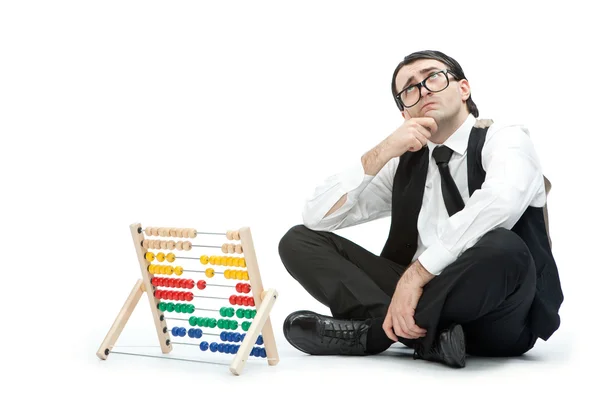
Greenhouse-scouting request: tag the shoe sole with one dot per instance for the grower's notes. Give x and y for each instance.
(454, 349)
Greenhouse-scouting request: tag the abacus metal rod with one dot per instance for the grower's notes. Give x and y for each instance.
(180, 359)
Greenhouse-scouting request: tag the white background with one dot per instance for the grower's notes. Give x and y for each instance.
(216, 115)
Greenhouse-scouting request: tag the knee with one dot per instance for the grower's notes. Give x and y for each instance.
(290, 240)
(505, 248)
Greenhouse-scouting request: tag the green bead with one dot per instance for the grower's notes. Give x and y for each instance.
(170, 307)
(246, 326)
(223, 311)
(240, 313)
(191, 308)
(248, 314)
(230, 312)
(193, 321)
(212, 323)
(162, 306)
(254, 313)
(233, 325)
(221, 324)
(178, 307)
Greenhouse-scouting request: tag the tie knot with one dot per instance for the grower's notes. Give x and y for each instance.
(442, 154)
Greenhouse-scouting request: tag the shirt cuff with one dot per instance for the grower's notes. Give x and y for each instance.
(436, 257)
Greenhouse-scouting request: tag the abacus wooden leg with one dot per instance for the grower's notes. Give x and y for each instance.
(121, 320)
(258, 325)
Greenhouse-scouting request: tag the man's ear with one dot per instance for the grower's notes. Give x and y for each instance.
(465, 89)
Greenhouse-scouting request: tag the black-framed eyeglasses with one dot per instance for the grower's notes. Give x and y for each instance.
(436, 82)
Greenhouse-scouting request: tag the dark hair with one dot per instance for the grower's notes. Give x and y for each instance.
(452, 64)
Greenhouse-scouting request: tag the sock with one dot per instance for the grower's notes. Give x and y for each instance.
(377, 340)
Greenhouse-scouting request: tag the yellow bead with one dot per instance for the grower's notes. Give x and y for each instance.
(219, 260)
(169, 270)
(246, 276)
(163, 269)
(226, 273)
(210, 272)
(230, 261)
(178, 270)
(204, 260)
(150, 256)
(242, 262)
(160, 257)
(211, 260)
(151, 268)
(170, 257)
(239, 275)
(235, 262)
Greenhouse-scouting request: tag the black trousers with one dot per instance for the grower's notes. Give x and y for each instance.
(488, 289)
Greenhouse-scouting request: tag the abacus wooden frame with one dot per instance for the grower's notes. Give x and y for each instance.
(264, 301)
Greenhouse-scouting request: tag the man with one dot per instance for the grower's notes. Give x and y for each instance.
(467, 267)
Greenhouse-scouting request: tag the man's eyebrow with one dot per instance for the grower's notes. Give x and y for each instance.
(412, 78)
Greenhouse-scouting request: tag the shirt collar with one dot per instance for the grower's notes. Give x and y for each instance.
(459, 140)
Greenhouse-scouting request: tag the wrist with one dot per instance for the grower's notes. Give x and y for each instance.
(417, 275)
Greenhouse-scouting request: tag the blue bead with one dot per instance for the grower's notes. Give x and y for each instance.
(259, 341)
(220, 347)
(230, 336)
(223, 335)
(182, 331)
(236, 347)
(204, 346)
(253, 352)
(213, 347)
(198, 333)
(227, 349)
(236, 337)
(263, 353)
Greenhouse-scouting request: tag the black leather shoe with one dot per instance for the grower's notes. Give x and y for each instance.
(317, 334)
(448, 349)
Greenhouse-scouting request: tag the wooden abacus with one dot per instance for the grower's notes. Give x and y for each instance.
(245, 269)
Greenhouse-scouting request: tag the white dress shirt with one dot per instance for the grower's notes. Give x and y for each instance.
(514, 181)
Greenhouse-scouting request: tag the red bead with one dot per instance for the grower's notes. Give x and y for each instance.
(251, 302)
(201, 284)
(245, 301)
(233, 299)
(239, 301)
(161, 281)
(172, 283)
(189, 296)
(238, 287)
(170, 295)
(180, 283)
(246, 288)
(157, 294)
(190, 284)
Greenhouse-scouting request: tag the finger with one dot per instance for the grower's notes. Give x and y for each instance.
(398, 329)
(412, 327)
(387, 328)
(409, 334)
(428, 123)
(423, 131)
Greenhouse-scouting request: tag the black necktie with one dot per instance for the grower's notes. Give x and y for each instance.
(452, 197)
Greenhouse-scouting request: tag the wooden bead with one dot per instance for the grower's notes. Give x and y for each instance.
(224, 248)
(148, 231)
(179, 245)
(238, 249)
(171, 244)
(187, 245)
(184, 232)
(145, 243)
(173, 232)
(192, 233)
(236, 235)
(163, 244)
(179, 233)
(230, 248)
